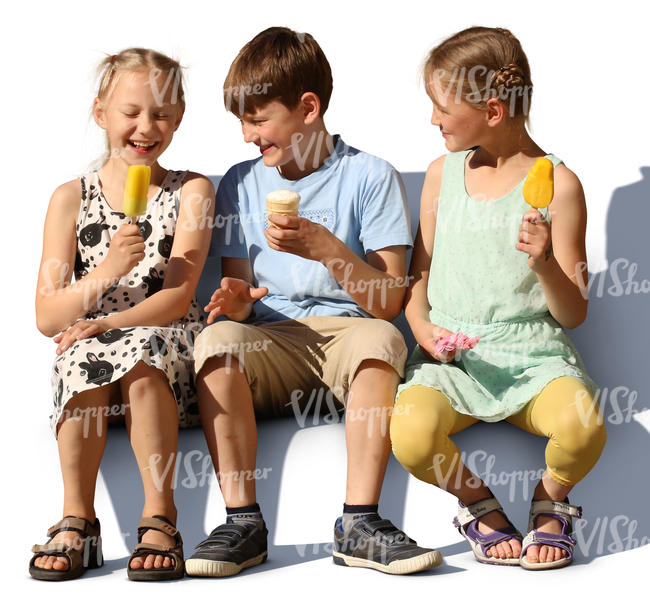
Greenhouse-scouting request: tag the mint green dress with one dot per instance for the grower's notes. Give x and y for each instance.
(480, 284)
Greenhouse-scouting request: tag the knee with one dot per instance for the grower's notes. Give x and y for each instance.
(220, 344)
(142, 380)
(581, 434)
(414, 436)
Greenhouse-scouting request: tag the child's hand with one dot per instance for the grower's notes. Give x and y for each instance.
(299, 236)
(426, 335)
(80, 331)
(535, 240)
(232, 297)
(125, 251)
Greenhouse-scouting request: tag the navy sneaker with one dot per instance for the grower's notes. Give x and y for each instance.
(371, 542)
(229, 549)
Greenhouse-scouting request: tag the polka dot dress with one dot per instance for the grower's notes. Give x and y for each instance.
(480, 284)
(106, 358)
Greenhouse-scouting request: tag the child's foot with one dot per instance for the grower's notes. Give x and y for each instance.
(148, 561)
(545, 553)
(71, 538)
(506, 549)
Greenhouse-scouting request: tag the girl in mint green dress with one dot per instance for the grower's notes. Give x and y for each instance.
(489, 266)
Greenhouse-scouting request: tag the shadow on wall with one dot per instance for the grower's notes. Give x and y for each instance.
(613, 342)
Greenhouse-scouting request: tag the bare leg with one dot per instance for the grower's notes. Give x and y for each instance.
(367, 435)
(152, 424)
(81, 441)
(228, 419)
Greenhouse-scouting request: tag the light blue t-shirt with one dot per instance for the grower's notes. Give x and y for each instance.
(358, 197)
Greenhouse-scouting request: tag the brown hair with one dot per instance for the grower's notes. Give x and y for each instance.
(481, 63)
(277, 64)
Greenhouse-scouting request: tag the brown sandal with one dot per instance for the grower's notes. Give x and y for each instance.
(78, 559)
(175, 552)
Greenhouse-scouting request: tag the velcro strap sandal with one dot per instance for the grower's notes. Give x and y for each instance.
(467, 524)
(88, 554)
(559, 510)
(175, 552)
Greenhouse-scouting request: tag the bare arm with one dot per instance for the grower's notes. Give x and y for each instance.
(188, 254)
(59, 303)
(558, 253)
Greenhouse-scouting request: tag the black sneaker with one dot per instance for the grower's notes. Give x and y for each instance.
(375, 543)
(228, 549)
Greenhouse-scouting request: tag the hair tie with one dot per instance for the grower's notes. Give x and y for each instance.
(111, 59)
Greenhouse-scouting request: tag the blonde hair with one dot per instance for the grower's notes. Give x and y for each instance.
(480, 63)
(135, 59)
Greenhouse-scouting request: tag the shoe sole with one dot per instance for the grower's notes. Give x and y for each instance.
(396, 567)
(197, 567)
(544, 565)
(95, 560)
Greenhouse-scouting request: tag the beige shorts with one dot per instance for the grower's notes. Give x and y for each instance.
(287, 363)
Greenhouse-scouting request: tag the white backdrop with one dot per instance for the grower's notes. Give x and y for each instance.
(589, 108)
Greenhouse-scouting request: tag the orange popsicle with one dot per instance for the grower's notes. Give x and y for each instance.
(136, 190)
(538, 188)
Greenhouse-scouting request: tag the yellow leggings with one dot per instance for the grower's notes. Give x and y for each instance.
(564, 411)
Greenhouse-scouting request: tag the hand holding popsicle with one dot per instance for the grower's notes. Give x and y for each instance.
(125, 251)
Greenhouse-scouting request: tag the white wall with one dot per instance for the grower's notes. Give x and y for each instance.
(591, 91)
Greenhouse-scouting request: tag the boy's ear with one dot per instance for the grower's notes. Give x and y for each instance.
(99, 113)
(495, 112)
(310, 104)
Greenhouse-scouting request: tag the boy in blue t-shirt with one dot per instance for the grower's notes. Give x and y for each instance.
(310, 299)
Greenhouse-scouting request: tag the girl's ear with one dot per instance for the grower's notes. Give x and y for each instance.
(310, 104)
(99, 113)
(495, 112)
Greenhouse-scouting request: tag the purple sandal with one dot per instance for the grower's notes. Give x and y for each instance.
(559, 510)
(466, 523)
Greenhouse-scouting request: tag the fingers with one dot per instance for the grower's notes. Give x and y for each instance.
(286, 222)
(257, 293)
(526, 247)
(128, 230)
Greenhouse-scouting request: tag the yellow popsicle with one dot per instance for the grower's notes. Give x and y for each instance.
(538, 188)
(136, 190)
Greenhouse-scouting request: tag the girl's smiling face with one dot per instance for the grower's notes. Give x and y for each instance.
(140, 115)
(461, 124)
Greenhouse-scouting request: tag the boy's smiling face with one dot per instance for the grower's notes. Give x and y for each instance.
(279, 132)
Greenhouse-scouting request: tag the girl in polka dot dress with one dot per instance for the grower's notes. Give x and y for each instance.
(126, 325)
(485, 265)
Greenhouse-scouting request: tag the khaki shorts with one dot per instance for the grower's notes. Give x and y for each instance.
(287, 363)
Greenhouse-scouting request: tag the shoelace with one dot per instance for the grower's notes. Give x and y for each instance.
(226, 535)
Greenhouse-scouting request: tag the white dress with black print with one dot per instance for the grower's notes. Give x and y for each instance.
(106, 358)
